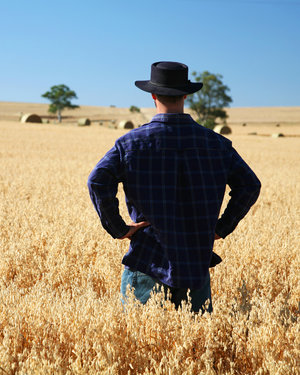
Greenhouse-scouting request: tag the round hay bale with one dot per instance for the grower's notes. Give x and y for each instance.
(277, 125)
(277, 135)
(244, 124)
(222, 129)
(31, 117)
(126, 124)
(252, 133)
(84, 122)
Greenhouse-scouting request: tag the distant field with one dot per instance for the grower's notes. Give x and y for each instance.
(60, 310)
(260, 116)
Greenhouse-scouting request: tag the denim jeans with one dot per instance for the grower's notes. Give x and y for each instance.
(144, 284)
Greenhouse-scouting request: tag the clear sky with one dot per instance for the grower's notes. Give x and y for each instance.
(99, 48)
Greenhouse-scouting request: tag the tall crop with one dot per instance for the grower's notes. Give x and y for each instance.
(60, 310)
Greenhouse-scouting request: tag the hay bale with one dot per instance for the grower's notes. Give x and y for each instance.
(277, 135)
(84, 122)
(244, 124)
(252, 133)
(31, 117)
(222, 129)
(126, 124)
(45, 121)
(277, 125)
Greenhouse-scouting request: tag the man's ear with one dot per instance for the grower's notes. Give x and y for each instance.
(153, 97)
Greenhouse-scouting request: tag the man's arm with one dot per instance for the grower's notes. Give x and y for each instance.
(245, 189)
(103, 187)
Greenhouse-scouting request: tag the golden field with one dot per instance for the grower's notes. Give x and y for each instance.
(60, 310)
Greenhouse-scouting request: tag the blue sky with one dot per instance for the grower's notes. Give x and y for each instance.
(99, 48)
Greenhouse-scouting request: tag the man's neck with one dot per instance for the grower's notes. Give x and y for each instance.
(160, 108)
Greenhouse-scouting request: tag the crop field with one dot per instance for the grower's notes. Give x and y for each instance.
(60, 272)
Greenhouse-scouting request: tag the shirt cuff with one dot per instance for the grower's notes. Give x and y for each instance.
(222, 230)
(123, 232)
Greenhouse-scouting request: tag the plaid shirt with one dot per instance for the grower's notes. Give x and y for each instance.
(174, 173)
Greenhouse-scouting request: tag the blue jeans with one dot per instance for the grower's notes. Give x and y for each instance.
(144, 284)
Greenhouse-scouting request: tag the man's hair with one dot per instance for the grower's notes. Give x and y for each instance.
(169, 99)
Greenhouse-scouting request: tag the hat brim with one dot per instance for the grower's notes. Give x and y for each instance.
(148, 86)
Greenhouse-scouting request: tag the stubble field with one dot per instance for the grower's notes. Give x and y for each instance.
(60, 310)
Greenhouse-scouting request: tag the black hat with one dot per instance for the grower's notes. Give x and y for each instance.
(169, 78)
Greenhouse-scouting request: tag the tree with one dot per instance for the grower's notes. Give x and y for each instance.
(208, 103)
(133, 109)
(60, 97)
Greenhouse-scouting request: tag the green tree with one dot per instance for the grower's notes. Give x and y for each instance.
(60, 97)
(133, 109)
(208, 103)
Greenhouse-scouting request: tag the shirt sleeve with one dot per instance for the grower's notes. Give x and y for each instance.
(103, 187)
(245, 189)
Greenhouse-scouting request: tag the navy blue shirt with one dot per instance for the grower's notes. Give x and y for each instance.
(174, 174)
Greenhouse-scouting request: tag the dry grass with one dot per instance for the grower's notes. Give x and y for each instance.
(60, 311)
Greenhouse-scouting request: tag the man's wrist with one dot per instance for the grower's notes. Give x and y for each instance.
(123, 232)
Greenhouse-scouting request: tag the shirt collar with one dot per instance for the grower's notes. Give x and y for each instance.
(174, 118)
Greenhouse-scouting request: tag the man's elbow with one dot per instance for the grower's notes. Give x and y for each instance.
(92, 179)
(89, 182)
(258, 186)
(255, 190)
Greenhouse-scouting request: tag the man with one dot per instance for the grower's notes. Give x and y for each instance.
(174, 173)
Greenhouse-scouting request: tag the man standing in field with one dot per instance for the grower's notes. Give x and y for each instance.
(174, 173)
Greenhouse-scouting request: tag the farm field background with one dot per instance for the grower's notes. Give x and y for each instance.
(261, 119)
(60, 310)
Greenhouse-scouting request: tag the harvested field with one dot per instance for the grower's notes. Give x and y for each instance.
(60, 310)
(262, 116)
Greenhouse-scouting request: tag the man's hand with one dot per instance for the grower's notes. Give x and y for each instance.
(133, 228)
(217, 237)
